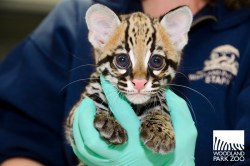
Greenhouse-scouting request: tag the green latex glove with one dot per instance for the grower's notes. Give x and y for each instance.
(94, 151)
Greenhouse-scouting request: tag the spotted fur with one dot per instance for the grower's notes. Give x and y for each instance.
(138, 38)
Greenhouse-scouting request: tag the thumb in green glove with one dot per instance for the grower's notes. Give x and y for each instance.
(93, 150)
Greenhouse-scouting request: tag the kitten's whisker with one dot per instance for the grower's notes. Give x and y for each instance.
(76, 57)
(191, 68)
(182, 74)
(189, 105)
(211, 105)
(79, 80)
(83, 66)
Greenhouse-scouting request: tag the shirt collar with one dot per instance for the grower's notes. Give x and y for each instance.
(221, 16)
(228, 18)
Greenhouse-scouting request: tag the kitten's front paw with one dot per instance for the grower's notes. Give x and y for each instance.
(157, 136)
(109, 128)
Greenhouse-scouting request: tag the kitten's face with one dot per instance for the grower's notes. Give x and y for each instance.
(138, 57)
(141, 61)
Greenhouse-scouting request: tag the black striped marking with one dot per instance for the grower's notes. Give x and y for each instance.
(122, 84)
(97, 99)
(222, 145)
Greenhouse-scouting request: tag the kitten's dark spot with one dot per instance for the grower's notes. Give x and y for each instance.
(122, 84)
(147, 31)
(159, 48)
(123, 79)
(168, 78)
(153, 37)
(149, 40)
(97, 99)
(108, 58)
(155, 85)
(131, 40)
(171, 63)
(122, 89)
(105, 72)
(126, 37)
(119, 47)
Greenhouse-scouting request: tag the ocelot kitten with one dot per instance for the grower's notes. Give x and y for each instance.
(139, 55)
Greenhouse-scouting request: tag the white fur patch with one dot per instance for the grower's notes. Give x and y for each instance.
(132, 57)
(130, 86)
(147, 58)
(170, 71)
(138, 98)
(156, 72)
(122, 71)
(148, 87)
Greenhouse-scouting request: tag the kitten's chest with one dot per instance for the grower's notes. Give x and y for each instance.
(138, 109)
(157, 102)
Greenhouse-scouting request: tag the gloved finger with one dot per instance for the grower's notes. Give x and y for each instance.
(87, 138)
(179, 110)
(180, 116)
(121, 109)
(86, 157)
(184, 128)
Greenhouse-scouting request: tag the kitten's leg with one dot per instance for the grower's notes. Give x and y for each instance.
(104, 121)
(109, 128)
(156, 129)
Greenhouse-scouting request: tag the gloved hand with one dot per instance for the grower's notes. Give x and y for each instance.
(94, 151)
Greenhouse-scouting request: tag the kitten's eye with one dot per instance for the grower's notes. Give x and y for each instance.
(156, 62)
(122, 61)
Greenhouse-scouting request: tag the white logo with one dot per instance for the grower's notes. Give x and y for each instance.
(221, 66)
(228, 145)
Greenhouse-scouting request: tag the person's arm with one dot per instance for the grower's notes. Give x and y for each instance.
(238, 106)
(31, 106)
(20, 162)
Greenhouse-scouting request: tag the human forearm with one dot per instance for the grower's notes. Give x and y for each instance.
(20, 162)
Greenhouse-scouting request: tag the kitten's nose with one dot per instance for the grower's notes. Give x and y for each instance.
(139, 83)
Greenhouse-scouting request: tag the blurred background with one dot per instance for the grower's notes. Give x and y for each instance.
(18, 18)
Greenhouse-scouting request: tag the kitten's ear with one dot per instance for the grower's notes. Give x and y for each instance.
(101, 22)
(177, 24)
